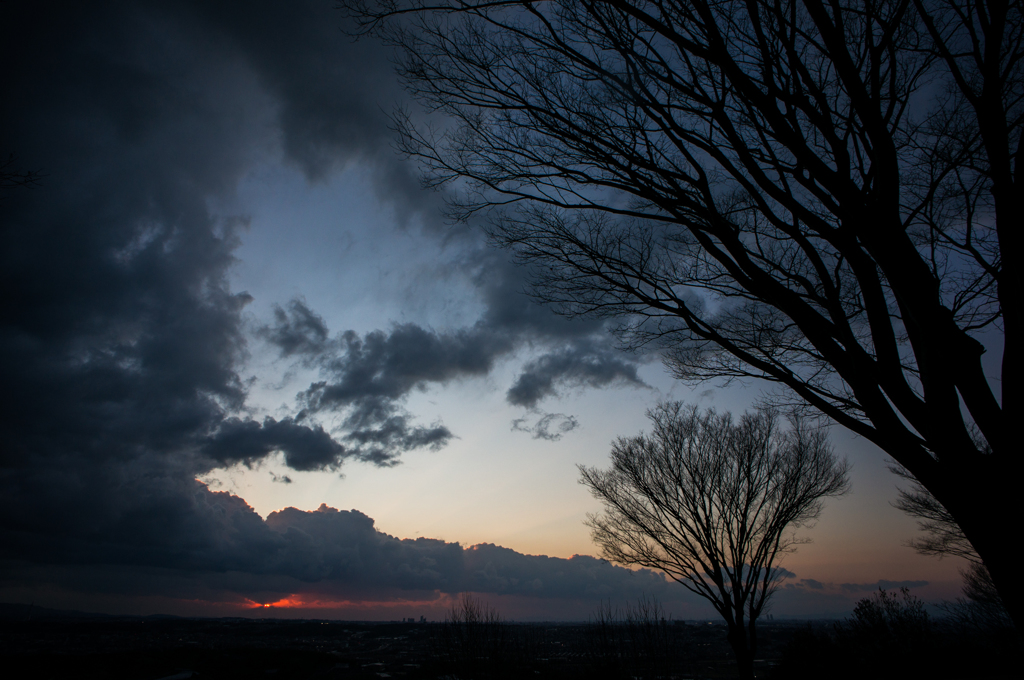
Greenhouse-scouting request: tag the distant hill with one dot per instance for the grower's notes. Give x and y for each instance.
(29, 612)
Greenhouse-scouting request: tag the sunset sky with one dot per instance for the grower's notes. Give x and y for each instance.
(248, 362)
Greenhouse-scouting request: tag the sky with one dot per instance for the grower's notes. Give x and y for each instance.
(250, 369)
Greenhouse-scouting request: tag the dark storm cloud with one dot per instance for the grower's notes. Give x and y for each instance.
(344, 546)
(493, 569)
(328, 90)
(301, 56)
(121, 336)
(342, 554)
(380, 365)
(121, 339)
(246, 441)
(146, 513)
(382, 438)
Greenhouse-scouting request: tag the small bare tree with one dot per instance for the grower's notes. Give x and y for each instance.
(712, 503)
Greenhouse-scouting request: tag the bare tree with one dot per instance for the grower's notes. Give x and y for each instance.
(11, 176)
(713, 504)
(822, 195)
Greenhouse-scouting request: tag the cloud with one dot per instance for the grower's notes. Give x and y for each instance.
(122, 340)
(390, 365)
(389, 434)
(123, 344)
(851, 588)
(810, 598)
(580, 365)
(881, 584)
(367, 377)
(493, 569)
(327, 112)
(542, 428)
(122, 336)
(246, 441)
(336, 554)
(297, 331)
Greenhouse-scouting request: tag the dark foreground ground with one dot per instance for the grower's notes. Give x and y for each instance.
(166, 648)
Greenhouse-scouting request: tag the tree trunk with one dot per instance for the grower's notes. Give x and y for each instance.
(1004, 566)
(743, 649)
(992, 534)
(985, 502)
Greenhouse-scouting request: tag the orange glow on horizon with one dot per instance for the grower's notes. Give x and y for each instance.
(300, 601)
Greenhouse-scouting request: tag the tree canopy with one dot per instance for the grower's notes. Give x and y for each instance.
(821, 195)
(714, 504)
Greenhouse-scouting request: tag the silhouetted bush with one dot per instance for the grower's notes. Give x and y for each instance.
(476, 642)
(890, 627)
(637, 642)
(890, 635)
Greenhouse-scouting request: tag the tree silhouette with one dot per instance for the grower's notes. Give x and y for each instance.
(712, 504)
(981, 606)
(11, 176)
(942, 536)
(822, 195)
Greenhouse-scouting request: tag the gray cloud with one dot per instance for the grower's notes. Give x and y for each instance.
(809, 597)
(383, 439)
(390, 365)
(579, 365)
(576, 353)
(368, 377)
(297, 331)
(123, 343)
(549, 426)
(246, 441)
(340, 554)
(328, 90)
(883, 584)
(121, 338)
